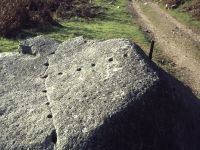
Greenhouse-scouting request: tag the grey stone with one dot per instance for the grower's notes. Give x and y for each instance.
(92, 95)
(26, 50)
(36, 45)
(23, 113)
(85, 96)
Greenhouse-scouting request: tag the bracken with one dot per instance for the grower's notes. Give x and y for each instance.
(19, 14)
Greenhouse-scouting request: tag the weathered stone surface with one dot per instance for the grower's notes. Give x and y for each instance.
(23, 110)
(34, 46)
(97, 77)
(92, 95)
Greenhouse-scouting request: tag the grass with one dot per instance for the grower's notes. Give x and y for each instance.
(159, 57)
(7, 45)
(186, 18)
(115, 23)
(162, 60)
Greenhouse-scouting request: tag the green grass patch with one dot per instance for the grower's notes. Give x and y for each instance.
(185, 18)
(115, 23)
(8, 45)
(185, 15)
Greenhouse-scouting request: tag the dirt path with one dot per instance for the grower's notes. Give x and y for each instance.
(177, 42)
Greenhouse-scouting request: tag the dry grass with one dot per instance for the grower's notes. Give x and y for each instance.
(18, 14)
(193, 8)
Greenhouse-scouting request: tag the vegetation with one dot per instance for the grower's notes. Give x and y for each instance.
(19, 14)
(193, 7)
(115, 22)
(186, 11)
(189, 14)
(186, 19)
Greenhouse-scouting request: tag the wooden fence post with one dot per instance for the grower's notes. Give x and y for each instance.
(151, 49)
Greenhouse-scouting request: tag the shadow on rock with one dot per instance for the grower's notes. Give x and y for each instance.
(166, 117)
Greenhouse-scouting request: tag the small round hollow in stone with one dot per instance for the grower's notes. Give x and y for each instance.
(47, 103)
(46, 64)
(45, 76)
(125, 55)
(44, 91)
(110, 59)
(52, 53)
(60, 73)
(49, 116)
(79, 69)
(93, 65)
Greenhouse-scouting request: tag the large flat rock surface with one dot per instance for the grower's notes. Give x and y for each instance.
(90, 95)
(23, 113)
(89, 82)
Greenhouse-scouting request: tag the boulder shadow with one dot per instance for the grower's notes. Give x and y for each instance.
(166, 117)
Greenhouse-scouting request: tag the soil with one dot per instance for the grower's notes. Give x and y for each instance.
(177, 42)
